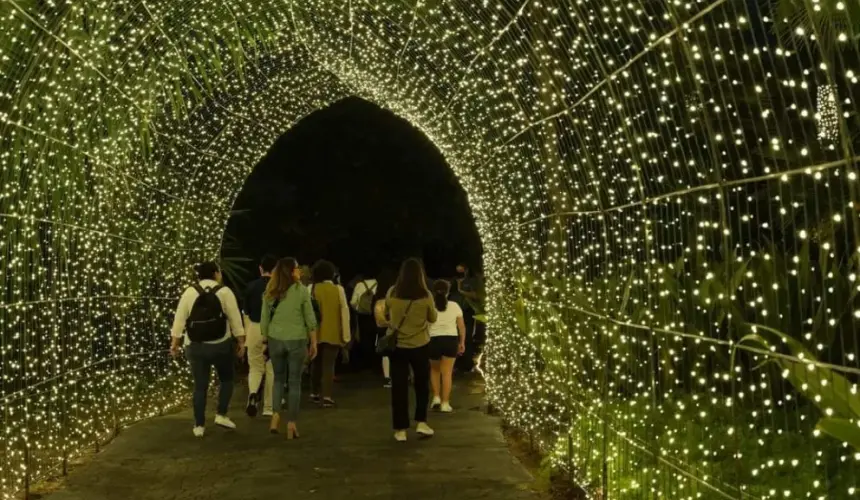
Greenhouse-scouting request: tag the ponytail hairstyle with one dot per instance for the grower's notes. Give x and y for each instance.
(282, 279)
(441, 289)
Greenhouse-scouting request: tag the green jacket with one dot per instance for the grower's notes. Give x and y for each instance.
(293, 318)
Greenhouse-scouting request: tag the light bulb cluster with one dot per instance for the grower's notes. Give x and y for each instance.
(828, 114)
(671, 251)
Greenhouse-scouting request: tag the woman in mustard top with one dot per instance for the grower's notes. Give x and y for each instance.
(333, 309)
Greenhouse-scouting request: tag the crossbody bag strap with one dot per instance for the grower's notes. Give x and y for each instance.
(405, 313)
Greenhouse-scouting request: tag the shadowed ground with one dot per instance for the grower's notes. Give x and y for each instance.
(344, 453)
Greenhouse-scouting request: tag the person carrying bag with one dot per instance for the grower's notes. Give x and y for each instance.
(386, 344)
(410, 306)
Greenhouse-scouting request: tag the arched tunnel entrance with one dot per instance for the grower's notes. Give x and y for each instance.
(358, 186)
(665, 193)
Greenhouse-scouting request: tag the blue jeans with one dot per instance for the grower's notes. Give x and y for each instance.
(288, 356)
(202, 358)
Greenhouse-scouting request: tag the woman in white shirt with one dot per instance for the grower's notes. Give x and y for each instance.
(447, 341)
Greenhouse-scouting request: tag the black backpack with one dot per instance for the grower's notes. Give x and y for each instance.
(206, 322)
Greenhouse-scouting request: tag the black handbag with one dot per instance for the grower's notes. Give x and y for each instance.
(388, 342)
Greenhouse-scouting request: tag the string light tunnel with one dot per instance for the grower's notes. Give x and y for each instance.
(671, 251)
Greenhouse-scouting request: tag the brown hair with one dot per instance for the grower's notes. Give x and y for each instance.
(411, 284)
(282, 279)
(441, 289)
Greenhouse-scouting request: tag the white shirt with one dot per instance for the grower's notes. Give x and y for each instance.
(446, 323)
(358, 291)
(228, 305)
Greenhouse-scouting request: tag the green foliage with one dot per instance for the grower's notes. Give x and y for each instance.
(235, 269)
(841, 429)
(796, 20)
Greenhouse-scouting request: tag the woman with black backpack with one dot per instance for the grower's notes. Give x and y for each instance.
(289, 325)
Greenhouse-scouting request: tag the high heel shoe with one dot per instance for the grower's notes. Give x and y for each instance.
(292, 432)
(276, 422)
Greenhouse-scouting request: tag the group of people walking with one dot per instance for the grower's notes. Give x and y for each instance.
(294, 318)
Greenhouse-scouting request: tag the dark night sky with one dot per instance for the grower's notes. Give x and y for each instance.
(359, 186)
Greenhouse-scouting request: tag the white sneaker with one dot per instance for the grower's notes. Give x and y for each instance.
(268, 413)
(446, 408)
(400, 436)
(199, 431)
(224, 422)
(424, 430)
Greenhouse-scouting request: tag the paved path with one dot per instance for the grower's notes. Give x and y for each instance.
(344, 453)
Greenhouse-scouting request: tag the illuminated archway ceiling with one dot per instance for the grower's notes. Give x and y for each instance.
(650, 178)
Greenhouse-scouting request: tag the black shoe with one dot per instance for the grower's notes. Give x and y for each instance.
(436, 406)
(315, 398)
(387, 383)
(251, 409)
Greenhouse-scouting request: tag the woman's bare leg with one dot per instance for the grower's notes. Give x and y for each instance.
(386, 367)
(435, 377)
(446, 367)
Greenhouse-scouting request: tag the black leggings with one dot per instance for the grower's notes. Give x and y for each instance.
(401, 360)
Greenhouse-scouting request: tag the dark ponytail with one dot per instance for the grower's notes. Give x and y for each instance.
(441, 288)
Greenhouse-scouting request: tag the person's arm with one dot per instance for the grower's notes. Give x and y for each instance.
(310, 322)
(234, 317)
(265, 318)
(357, 292)
(344, 312)
(180, 318)
(461, 332)
(432, 314)
(379, 315)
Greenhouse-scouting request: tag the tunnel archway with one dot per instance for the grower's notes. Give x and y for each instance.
(356, 185)
(666, 194)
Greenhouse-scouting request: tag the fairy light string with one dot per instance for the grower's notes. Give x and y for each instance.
(666, 196)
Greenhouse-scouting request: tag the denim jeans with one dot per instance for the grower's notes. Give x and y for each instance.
(202, 358)
(288, 356)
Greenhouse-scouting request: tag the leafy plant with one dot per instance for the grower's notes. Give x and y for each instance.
(235, 269)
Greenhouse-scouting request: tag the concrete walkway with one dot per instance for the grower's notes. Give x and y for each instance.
(343, 453)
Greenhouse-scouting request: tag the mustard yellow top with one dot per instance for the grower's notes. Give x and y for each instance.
(334, 325)
(415, 329)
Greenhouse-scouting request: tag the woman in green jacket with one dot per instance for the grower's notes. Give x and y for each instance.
(289, 326)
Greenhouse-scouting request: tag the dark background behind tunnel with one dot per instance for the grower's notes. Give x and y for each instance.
(356, 185)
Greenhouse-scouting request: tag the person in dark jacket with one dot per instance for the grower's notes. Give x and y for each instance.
(258, 363)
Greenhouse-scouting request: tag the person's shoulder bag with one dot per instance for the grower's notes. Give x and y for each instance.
(388, 342)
